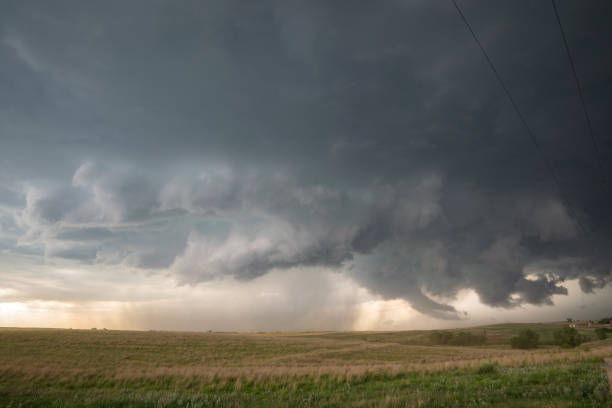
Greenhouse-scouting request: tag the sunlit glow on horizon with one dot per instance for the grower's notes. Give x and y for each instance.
(193, 308)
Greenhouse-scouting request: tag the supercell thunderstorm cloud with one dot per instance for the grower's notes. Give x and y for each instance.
(229, 141)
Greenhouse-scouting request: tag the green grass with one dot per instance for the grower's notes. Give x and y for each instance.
(581, 384)
(496, 335)
(82, 368)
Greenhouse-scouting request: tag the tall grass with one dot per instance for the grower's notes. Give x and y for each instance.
(108, 368)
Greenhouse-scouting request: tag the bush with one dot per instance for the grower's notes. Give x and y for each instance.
(567, 337)
(441, 337)
(526, 339)
(605, 320)
(457, 339)
(467, 339)
(601, 333)
(487, 368)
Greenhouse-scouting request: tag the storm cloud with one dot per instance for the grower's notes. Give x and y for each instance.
(228, 140)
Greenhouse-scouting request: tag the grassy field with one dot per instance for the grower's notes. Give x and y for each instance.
(73, 368)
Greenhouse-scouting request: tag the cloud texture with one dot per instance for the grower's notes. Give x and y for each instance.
(224, 140)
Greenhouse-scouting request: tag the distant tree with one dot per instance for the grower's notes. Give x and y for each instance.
(458, 339)
(605, 320)
(526, 339)
(569, 320)
(601, 333)
(567, 337)
(441, 337)
(467, 339)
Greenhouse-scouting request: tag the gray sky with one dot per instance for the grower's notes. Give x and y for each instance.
(286, 165)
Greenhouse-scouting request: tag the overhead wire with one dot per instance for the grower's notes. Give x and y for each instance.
(534, 140)
(578, 87)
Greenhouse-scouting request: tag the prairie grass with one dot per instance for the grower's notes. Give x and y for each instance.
(46, 367)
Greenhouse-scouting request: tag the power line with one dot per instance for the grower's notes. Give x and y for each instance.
(579, 87)
(535, 142)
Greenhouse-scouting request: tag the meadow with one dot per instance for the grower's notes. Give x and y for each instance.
(109, 368)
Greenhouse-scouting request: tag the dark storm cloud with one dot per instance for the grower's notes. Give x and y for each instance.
(224, 138)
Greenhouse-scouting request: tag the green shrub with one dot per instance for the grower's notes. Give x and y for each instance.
(526, 339)
(467, 339)
(601, 333)
(487, 368)
(458, 339)
(443, 337)
(567, 337)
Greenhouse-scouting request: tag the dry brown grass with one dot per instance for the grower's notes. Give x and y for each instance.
(193, 357)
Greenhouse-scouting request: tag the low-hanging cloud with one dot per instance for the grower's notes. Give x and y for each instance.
(270, 137)
(409, 240)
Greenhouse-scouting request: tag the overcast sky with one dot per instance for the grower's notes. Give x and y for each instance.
(294, 165)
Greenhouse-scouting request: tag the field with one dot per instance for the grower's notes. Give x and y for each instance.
(107, 368)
